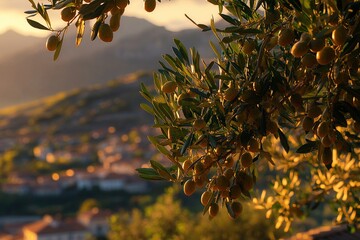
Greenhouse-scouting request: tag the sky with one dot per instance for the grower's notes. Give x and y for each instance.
(169, 14)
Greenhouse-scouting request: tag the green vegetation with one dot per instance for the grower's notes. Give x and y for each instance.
(283, 89)
(69, 203)
(167, 218)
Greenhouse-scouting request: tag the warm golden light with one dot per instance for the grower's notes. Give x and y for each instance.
(168, 14)
(55, 177)
(70, 173)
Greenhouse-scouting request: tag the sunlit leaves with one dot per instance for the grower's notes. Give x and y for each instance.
(265, 94)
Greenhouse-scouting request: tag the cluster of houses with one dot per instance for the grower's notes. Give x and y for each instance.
(119, 157)
(93, 223)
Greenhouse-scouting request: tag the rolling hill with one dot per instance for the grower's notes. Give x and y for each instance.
(30, 73)
(79, 111)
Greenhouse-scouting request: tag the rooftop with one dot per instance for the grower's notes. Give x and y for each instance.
(339, 232)
(48, 225)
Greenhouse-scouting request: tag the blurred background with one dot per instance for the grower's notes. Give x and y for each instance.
(72, 133)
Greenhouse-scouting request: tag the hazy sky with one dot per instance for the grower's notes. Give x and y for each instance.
(168, 13)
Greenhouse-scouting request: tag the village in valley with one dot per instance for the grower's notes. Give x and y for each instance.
(107, 163)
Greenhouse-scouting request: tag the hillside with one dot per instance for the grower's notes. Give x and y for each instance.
(13, 43)
(80, 111)
(138, 45)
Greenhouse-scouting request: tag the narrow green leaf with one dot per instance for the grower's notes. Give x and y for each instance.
(163, 171)
(92, 12)
(187, 143)
(147, 108)
(215, 50)
(182, 50)
(30, 12)
(283, 140)
(80, 29)
(211, 200)
(201, 26)
(58, 48)
(62, 4)
(296, 4)
(163, 150)
(148, 171)
(150, 177)
(230, 20)
(36, 24)
(32, 4)
(308, 147)
(229, 210)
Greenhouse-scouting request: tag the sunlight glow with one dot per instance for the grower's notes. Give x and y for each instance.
(170, 14)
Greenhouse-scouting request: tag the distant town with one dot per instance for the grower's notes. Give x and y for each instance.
(117, 156)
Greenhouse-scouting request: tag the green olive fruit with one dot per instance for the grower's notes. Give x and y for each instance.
(186, 164)
(339, 35)
(229, 173)
(317, 44)
(121, 3)
(183, 97)
(150, 5)
(199, 168)
(325, 55)
(52, 42)
(286, 36)
(323, 129)
(222, 182)
(235, 191)
(189, 187)
(68, 13)
(253, 145)
(236, 208)
(309, 60)
(326, 141)
(246, 159)
(327, 156)
(305, 37)
(213, 209)
(105, 32)
(115, 22)
(200, 181)
(199, 124)
(169, 87)
(299, 49)
(229, 161)
(205, 198)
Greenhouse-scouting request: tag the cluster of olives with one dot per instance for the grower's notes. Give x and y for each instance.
(104, 30)
(234, 180)
(228, 185)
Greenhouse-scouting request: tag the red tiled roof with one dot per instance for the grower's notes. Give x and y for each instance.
(46, 226)
(95, 213)
(339, 232)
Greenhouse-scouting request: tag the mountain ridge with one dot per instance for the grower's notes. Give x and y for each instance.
(138, 45)
(115, 103)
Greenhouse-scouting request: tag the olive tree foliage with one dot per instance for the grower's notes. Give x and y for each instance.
(106, 13)
(273, 120)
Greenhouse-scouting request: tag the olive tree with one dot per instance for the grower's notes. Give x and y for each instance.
(273, 120)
